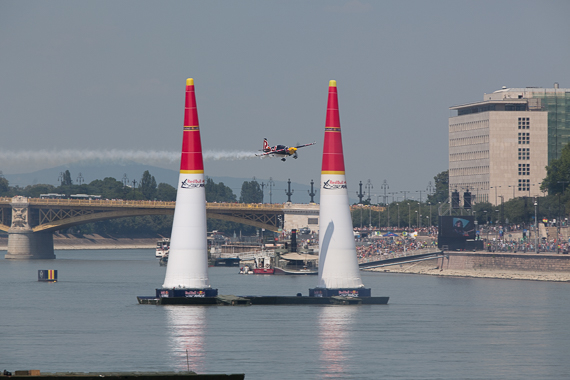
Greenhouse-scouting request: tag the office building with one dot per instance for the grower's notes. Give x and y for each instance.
(499, 148)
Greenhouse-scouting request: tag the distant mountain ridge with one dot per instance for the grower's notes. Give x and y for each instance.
(94, 169)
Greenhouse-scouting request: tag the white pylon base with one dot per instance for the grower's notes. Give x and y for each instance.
(186, 293)
(340, 292)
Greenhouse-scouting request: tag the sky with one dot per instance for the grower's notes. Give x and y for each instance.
(106, 79)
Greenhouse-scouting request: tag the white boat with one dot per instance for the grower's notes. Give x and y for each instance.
(162, 248)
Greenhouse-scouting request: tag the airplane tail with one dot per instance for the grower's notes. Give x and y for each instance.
(266, 147)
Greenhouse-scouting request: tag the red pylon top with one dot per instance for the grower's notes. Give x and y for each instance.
(191, 160)
(333, 157)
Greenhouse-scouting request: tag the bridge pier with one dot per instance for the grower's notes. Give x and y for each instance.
(23, 243)
(28, 245)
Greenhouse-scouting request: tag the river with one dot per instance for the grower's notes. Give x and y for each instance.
(432, 328)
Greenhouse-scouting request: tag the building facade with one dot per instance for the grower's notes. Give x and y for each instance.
(499, 148)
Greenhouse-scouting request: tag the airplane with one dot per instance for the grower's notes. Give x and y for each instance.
(282, 151)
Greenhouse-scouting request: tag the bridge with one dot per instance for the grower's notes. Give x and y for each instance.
(30, 222)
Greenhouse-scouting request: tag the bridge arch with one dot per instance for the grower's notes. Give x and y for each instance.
(30, 222)
(97, 217)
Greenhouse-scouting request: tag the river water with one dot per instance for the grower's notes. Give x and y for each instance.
(432, 328)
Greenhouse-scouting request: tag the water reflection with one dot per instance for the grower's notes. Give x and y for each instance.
(187, 330)
(335, 325)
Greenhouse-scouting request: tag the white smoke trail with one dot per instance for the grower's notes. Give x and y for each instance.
(230, 155)
(58, 157)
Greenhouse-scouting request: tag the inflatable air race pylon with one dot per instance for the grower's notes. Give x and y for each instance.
(339, 274)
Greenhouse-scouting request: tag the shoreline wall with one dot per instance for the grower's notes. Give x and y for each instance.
(68, 241)
(542, 262)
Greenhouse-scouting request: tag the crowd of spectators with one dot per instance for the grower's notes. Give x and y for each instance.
(551, 246)
(376, 243)
(378, 248)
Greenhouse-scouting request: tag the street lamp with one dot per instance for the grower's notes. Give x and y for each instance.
(398, 215)
(559, 216)
(368, 186)
(477, 236)
(379, 212)
(496, 193)
(513, 186)
(263, 184)
(384, 187)
(125, 183)
(487, 222)
(271, 184)
(135, 189)
(419, 216)
(502, 215)
(535, 226)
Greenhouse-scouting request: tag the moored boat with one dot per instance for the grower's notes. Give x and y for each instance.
(289, 264)
(227, 262)
(162, 248)
(263, 265)
(264, 271)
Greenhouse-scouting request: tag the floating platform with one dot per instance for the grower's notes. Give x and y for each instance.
(47, 275)
(230, 300)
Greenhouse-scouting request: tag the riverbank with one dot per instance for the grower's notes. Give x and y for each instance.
(71, 241)
(433, 268)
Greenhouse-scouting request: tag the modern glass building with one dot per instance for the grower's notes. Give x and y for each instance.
(557, 103)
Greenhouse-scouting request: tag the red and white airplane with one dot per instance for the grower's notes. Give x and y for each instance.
(282, 151)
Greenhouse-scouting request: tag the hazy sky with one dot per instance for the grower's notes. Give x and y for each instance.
(102, 76)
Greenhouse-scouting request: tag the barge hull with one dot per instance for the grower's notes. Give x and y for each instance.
(230, 300)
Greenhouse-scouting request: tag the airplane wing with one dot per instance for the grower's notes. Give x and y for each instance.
(304, 145)
(277, 151)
